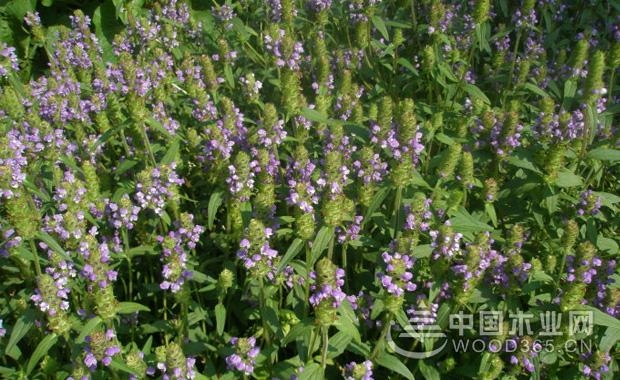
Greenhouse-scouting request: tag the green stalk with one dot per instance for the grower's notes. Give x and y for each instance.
(325, 338)
(330, 249)
(261, 300)
(37, 265)
(397, 204)
(381, 340)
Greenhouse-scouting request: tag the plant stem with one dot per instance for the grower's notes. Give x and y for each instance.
(35, 255)
(262, 303)
(330, 249)
(380, 341)
(325, 339)
(397, 204)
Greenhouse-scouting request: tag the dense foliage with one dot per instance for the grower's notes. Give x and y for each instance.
(278, 189)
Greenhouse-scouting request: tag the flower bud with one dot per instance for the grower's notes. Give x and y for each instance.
(579, 56)
(481, 11)
(449, 161)
(23, 215)
(10, 102)
(490, 190)
(573, 296)
(290, 92)
(384, 117)
(428, 58)
(466, 170)
(614, 55)
(305, 226)
(362, 34)
(594, 86)
(554, 162)
(135, 361)
(106, 303)
(226, 279)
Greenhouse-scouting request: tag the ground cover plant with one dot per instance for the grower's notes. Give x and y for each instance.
(309, 189)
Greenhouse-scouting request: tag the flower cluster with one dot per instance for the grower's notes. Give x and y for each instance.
(101, 347)
(398, 277)
(8, 60)
(244, 357)
(358, 371)
(255, 252)
(446, 242)
(287, 53)
(156, 186)
(589, 203)
(173, 364)
(174, 252)
(596, 364)
(122, 214)
(327, 294)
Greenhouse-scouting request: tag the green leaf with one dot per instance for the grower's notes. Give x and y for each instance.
(463, 221)
(87, 329)
(429, 372)
(119, 365)
(604, 154)
(602, 319)
(347, 323)
(228, 74)
(320, 243)
(476, 93)
(380, 25)
(536, 90)
(42, 348)
(490, 210)
(130, 307)
(172, 153)
(299, 330)
(104, 20)
(524, 163)
(20, 329)
(314, 115)
(290, 254)
(51, 242)
(124, 166)
(406, 64)
(394, 364)
(6, 371)
(312, 371)
(140, 251)
(445, 139)
(423, 250)
(376, 202)
(607, 244)
(612, 335)
(18, 8)
(220, 318)
(151, 122)
(270, 317)
(567, 178)
(215, 201)
(338, 343)
(570, 87)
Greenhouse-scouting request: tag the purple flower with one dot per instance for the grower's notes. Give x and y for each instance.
(396, 279)
(244, 357)
(358, 371)
(8, 60)
(318, 5)
(175, 247)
